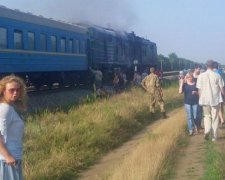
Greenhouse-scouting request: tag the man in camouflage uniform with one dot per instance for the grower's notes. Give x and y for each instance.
(151, 84)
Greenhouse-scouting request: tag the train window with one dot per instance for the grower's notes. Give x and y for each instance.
(53, 43)
(77, 46)
(70, 46)
(3, 38)
(82, 47)
(31, 41)
(43, 42)
(63, 44)
(18, 39)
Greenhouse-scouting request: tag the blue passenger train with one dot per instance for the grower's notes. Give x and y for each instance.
(45, 51)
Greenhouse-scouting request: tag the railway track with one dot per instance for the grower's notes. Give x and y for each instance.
(55, 98)
(172, 75)
(55, 89)
(52, 100)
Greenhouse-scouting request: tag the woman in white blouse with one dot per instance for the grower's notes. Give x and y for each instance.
(12, 101)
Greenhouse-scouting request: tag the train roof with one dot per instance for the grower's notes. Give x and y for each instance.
(146, 41)
(40, 20)
(121, 34)
(108, 31)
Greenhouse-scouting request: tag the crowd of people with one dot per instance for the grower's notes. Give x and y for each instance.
(203, 98)
(150, 82)
(119, 80)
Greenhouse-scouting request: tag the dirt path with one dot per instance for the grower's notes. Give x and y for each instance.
(190, 160)
(109, 162)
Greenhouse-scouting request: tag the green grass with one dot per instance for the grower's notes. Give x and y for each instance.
(59, 144)
(213, 162)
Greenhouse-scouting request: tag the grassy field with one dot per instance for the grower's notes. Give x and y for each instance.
(58, 145)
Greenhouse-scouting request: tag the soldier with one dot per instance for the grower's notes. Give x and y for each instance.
(151, 84)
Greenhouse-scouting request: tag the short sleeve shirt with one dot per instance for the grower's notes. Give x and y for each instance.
(11, 128)
(210, 84)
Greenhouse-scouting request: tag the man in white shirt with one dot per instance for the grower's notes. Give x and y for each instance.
(211, 90)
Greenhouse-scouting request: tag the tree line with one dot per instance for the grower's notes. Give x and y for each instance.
(174, 63)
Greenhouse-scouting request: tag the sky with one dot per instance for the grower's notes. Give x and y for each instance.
(193, 29)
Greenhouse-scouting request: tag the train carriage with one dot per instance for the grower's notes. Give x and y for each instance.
(41, 49)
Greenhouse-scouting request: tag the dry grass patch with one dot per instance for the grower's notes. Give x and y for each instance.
(148, 159)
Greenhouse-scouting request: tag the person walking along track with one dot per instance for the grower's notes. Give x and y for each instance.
(211, 90)
(152, 85)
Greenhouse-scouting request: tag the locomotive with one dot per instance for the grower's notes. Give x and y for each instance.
(44, 51)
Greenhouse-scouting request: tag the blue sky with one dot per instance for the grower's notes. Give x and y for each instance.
(193, 29)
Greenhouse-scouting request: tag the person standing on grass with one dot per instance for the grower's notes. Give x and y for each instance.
(221, 111)
(211, 90)
(196, 73)
(116, 82)
(188, 87)
(152, 85)
(12, 101)
(98, 76)
(136, 79)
